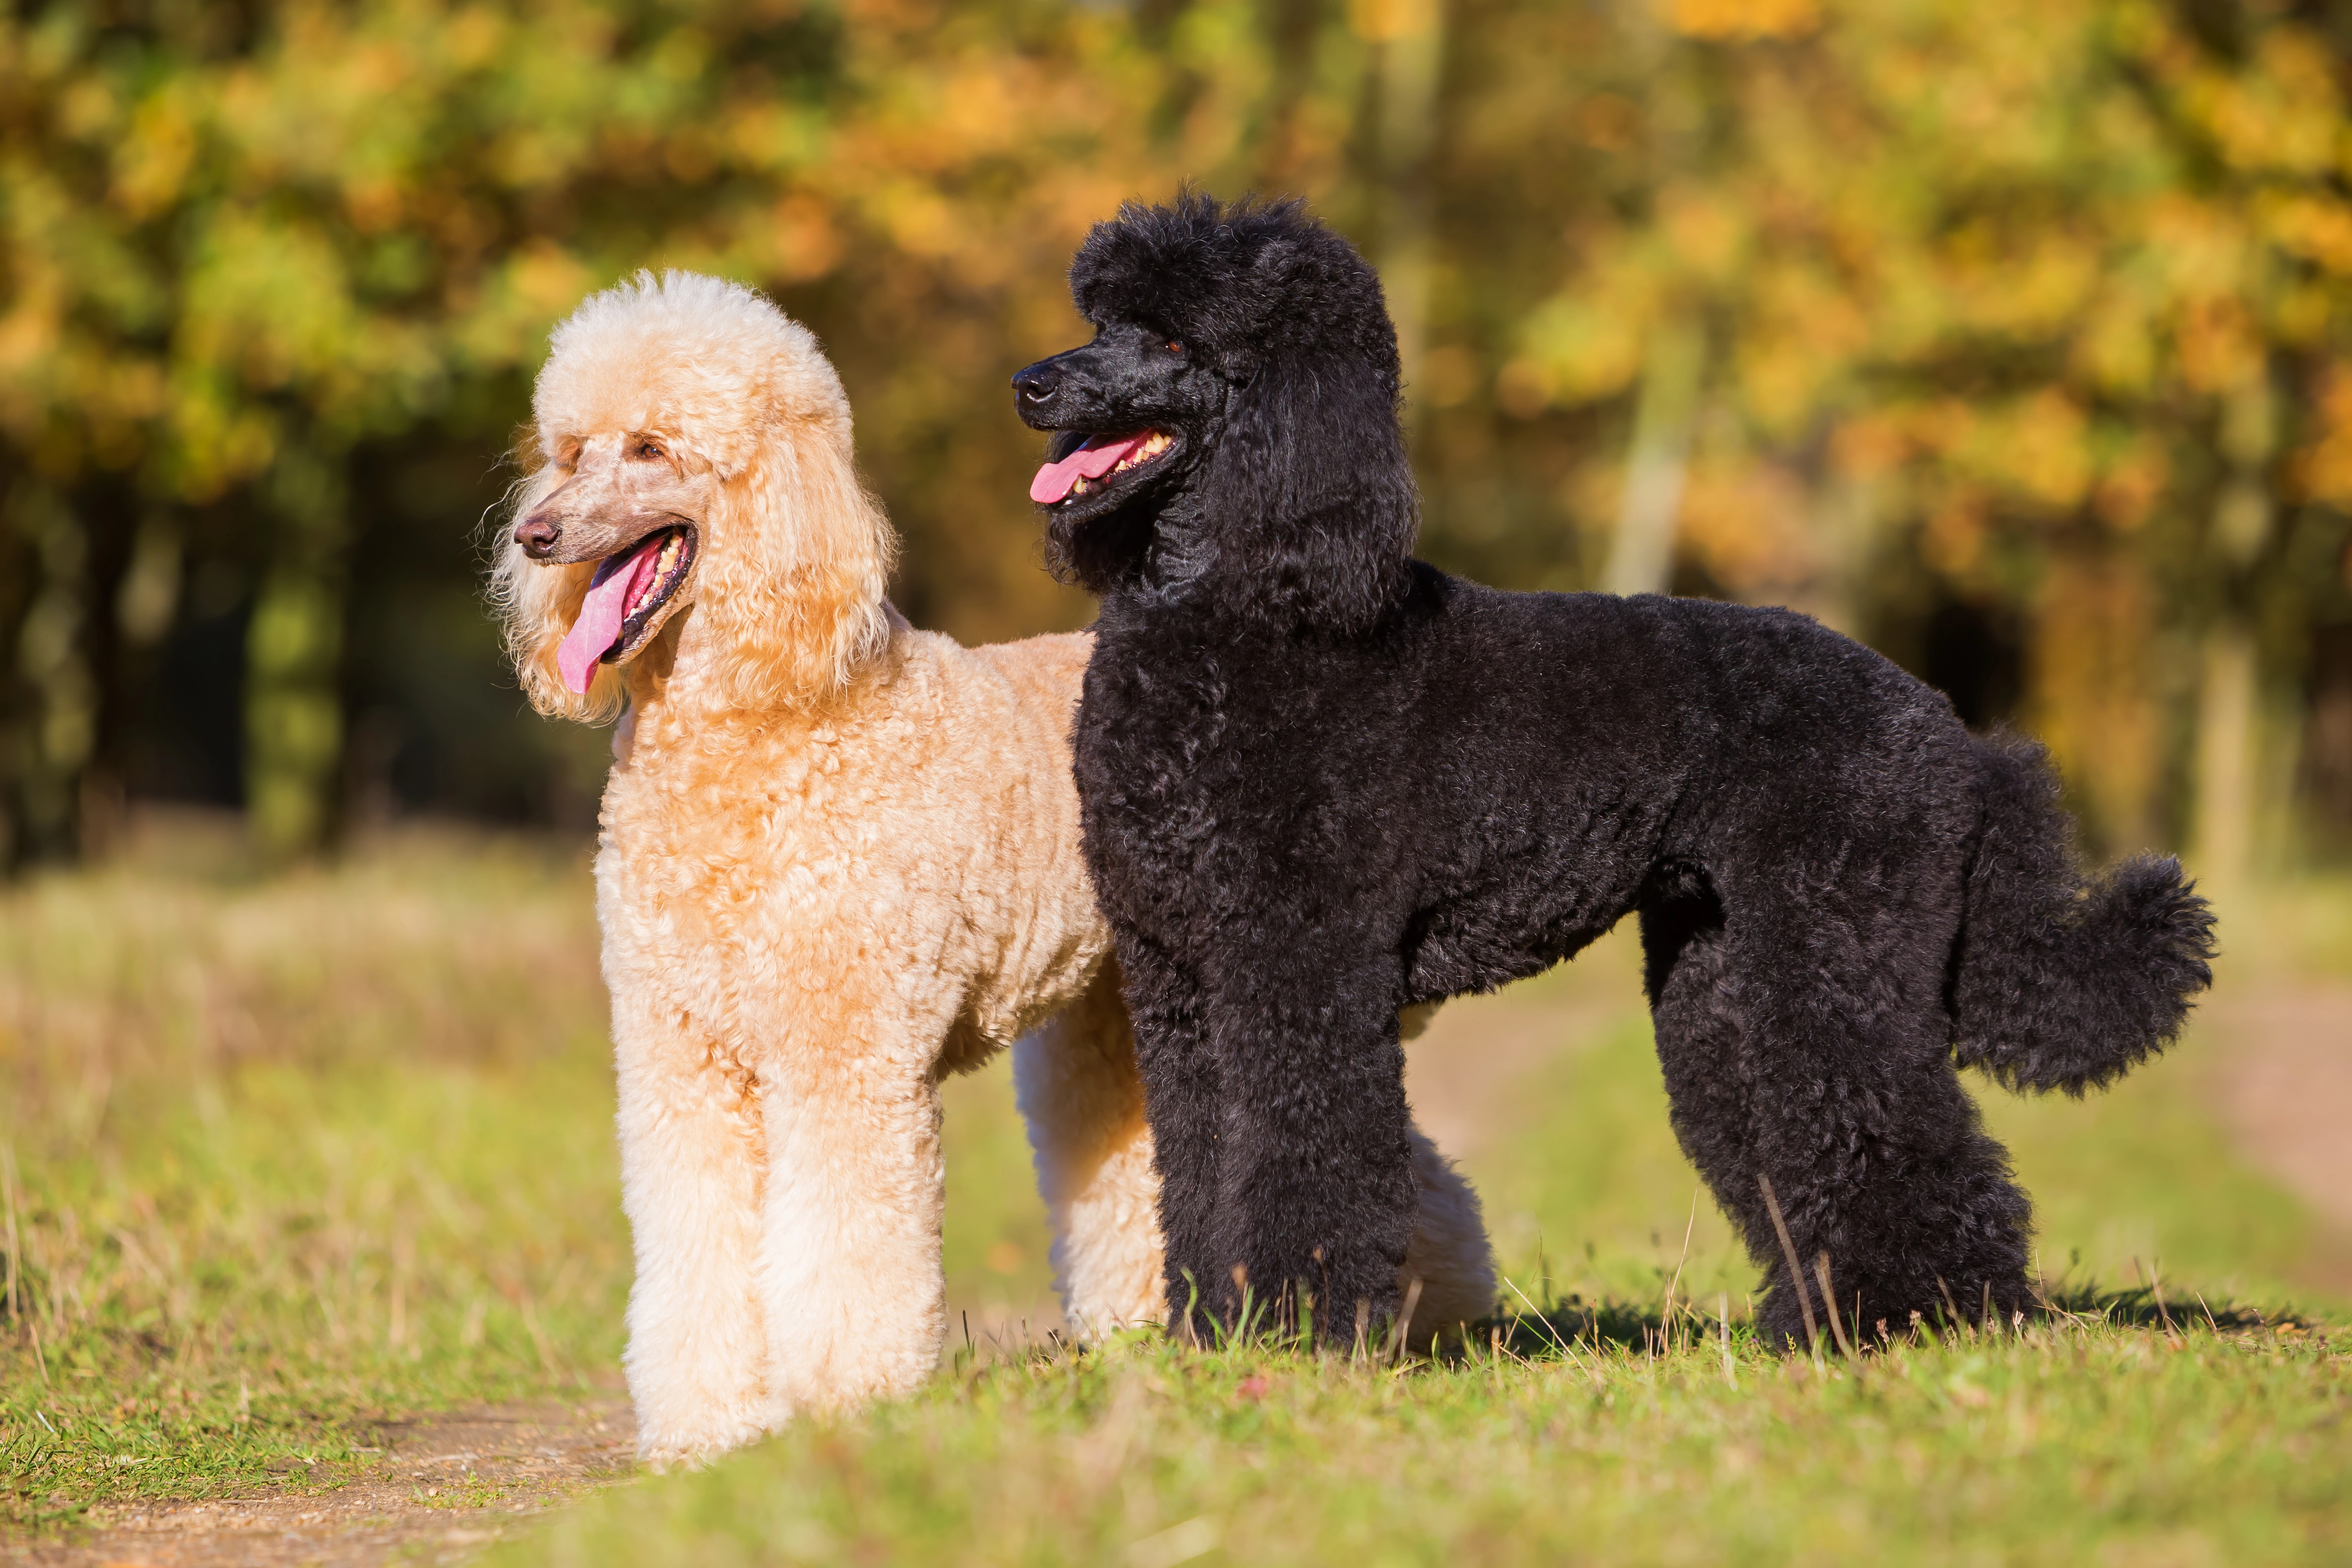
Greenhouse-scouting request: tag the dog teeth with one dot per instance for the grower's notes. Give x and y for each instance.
(668, 563)
(1153, 447)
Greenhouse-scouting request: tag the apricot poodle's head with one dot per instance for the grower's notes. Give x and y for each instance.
(693, 491)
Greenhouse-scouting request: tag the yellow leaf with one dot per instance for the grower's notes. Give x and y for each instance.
(1742, 18)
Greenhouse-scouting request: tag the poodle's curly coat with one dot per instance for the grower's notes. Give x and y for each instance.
(1321, 780)
(839, 861)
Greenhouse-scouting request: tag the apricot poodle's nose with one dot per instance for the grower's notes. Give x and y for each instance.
(537, 535)
(1038, 383)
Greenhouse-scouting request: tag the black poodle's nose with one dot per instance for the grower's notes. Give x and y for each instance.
(537, 535)
(1038, 383)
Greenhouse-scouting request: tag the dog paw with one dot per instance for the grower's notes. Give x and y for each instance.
(662, 1451)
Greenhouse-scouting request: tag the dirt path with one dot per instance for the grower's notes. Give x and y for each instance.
(2286, 1091)
(1463, 1073)
(441, 1489)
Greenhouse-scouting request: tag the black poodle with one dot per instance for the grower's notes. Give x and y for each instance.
(1323, 780)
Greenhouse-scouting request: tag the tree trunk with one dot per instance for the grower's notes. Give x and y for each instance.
(2229, 698)
(2223, 838)
(62, 645)
(1641, 555)
(31, 510)
(1408, 37)
(294, 647)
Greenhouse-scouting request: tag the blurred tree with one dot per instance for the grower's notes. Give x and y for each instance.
(1947, 322)
(252, 251)
(2034, 305)
(244, 246)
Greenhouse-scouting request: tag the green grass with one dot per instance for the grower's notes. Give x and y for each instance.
(281, 1158)
(285, 1157)
(2072, 1444)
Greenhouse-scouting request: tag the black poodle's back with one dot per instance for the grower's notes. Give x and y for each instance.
(1322, 781)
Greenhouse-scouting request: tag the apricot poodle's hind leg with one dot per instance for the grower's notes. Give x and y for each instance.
(690, 1158)
(1448, 1252)
(1083, 1101)
(850, 1273)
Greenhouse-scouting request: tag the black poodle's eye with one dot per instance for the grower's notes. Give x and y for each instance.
(1175, 348)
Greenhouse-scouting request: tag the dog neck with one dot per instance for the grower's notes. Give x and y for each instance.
(1182, 553)
(1283, 574)
(1161, 551)
(679, 705)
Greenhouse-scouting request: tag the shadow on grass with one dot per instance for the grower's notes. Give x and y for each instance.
(1574, 1328)
(1575, 1324)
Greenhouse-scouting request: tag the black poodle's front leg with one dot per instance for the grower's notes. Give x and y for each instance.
(1315, 1193)
(1182, 1100)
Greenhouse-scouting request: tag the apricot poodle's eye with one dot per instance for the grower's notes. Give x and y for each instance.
(650, 451)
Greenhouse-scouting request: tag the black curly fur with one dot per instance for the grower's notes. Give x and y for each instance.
(1322, 780)
(2060, 983)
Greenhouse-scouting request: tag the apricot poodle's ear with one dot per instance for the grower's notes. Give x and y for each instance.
(796, 561)
(1308, 488)
(536, 604)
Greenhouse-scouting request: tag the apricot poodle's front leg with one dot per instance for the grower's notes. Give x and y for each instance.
(1082, 1100)
(850, 1278)
(690, 1158)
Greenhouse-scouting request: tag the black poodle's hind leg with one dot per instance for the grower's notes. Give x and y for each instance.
(1694, 1017)
(1797, 1059)
(1879, 1167)
(1316, 1195)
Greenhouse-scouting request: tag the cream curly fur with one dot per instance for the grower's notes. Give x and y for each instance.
(839, 861)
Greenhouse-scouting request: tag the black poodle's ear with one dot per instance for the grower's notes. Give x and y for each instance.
(1309, 494)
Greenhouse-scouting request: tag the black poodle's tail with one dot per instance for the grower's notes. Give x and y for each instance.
(2063, 981)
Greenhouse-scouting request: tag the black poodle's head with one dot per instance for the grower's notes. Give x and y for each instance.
(1233, 423)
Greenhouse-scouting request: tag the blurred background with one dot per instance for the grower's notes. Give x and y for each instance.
(2011, 336)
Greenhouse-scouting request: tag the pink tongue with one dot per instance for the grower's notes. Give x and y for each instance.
(618, 583)
(1055, 480)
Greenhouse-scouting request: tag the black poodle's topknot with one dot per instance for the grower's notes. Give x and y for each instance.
(1245, 280)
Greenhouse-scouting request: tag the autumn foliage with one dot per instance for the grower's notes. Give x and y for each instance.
(2011, 337)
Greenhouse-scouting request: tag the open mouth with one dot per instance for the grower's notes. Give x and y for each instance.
(1095, 462)
(624, 597)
